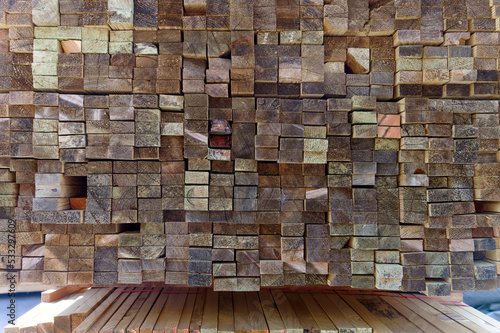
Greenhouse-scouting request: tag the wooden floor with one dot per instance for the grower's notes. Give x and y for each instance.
(170, 310)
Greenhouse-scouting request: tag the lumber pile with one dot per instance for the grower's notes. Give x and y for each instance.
(240, 145)
(198, 309)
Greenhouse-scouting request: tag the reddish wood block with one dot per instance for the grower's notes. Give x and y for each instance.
(220, 141)
(389, 120)
(78, 203)
(389, 132)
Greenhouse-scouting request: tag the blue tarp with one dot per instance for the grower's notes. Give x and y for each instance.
(488, 302)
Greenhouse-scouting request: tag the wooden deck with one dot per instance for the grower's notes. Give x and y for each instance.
(174, 310)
